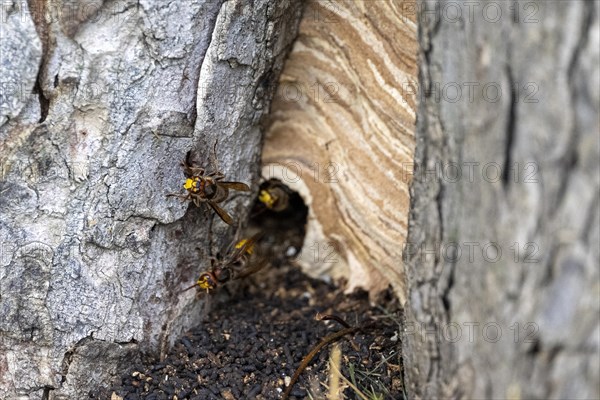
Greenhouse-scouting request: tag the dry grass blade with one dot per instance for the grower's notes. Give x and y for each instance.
(334, 373)
(308, 358)
(356, 390)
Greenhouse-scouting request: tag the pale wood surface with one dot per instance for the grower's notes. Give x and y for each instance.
(93, 252)
(522, 324)
(341, 133)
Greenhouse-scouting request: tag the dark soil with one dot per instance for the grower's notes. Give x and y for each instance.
(253, 341)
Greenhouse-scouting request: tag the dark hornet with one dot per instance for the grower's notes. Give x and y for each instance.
(210, 188)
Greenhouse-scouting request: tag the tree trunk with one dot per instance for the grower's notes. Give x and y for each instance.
(502, 260)
(94, 255)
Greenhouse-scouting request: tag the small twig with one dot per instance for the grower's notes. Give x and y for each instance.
(326, 340)
(308, 358)
(331, 317)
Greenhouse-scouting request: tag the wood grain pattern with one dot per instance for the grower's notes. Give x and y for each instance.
(341, 133)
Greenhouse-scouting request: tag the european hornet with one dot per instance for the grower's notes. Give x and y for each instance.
(274, 195)
(238, 264)
(210, 188)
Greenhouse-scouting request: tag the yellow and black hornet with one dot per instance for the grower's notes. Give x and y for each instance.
(239, 263)
(210, 188)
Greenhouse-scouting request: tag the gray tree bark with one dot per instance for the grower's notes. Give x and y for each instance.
(503, 256)
(93, 252)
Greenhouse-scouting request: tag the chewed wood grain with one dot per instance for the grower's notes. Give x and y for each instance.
(341, 132)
